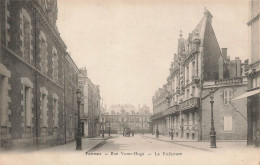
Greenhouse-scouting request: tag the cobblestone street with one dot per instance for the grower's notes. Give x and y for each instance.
(139, 148)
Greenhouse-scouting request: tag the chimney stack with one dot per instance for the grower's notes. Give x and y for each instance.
(224, 53)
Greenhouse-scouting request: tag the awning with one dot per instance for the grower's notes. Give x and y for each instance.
(248, 94)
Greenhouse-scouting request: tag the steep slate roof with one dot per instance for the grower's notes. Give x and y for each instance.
(210, 47)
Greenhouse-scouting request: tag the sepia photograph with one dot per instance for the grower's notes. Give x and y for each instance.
(129, 82)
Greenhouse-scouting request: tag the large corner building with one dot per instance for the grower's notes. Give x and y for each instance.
(182, 105)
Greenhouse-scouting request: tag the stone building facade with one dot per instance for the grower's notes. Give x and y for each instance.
(71, 73)
(32, 59)
(253, 73)
(120, 117)
(182, 104)
(90, 105)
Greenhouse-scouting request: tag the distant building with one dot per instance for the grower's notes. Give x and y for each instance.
(90, 105)
(182, 105)
(70, 98)
(127, 116)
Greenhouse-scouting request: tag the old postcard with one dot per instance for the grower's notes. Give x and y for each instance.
(129, 82)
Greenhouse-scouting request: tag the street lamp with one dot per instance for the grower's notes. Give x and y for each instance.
(109, 128)
(212, 128)
(103, 127)
(142, 125)
(78, 141)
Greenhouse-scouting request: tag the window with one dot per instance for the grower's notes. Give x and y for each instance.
(5, 87)
(27, 106)
(55, 65)
(187, 74)
(43, 53)
(193, 68)
(27, 101)
(55, 110)
(256, 82)
(228, 123)
(3, 104)
(228, 95)
(44, 108)
(193, 91)
(26, 35)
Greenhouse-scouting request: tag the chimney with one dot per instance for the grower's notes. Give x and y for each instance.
(224, 53)
(84, 71)
(220, 68)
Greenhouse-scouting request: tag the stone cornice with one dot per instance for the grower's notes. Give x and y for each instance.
(29, 65)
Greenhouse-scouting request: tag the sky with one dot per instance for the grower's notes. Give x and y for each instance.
(127, 46)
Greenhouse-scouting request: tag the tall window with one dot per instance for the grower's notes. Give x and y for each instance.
(187, 73)
(55, 111)
(256, 82)
(26, 35)
(44, 107)
(228, 123)
(27, 106)
(44, 110)
(3, 104)
(55, 65)
(43, 53)
(5, 100)
(27, 103)
(228, 96)
(193, 68)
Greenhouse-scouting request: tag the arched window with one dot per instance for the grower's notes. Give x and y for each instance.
(55, 65)
(26, 36)
(43, 53)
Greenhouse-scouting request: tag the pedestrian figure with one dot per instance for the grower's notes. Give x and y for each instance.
(123, 132)
(171, 134)
(157, 133)
(132, 132)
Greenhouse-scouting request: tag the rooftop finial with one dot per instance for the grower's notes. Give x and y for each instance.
(180, 34)
(207, 13)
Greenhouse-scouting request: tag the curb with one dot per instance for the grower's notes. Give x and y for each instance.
(99, 138)
(174, 142)
(96, 146)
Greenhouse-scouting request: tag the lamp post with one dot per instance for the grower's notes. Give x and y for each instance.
(108, 128)
(212, 128)
(78, 141)
(102, 127)
(142, 125)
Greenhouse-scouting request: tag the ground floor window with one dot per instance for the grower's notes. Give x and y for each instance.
(227, 123)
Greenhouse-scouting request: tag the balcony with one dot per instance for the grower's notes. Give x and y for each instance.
(172, 109)
(157, 115)
(189, 104)
(190, 54)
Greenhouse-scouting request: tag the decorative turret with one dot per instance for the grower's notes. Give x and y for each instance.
(208, 15)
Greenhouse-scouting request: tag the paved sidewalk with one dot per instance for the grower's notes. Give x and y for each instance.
(87, 145)
(202, 145)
